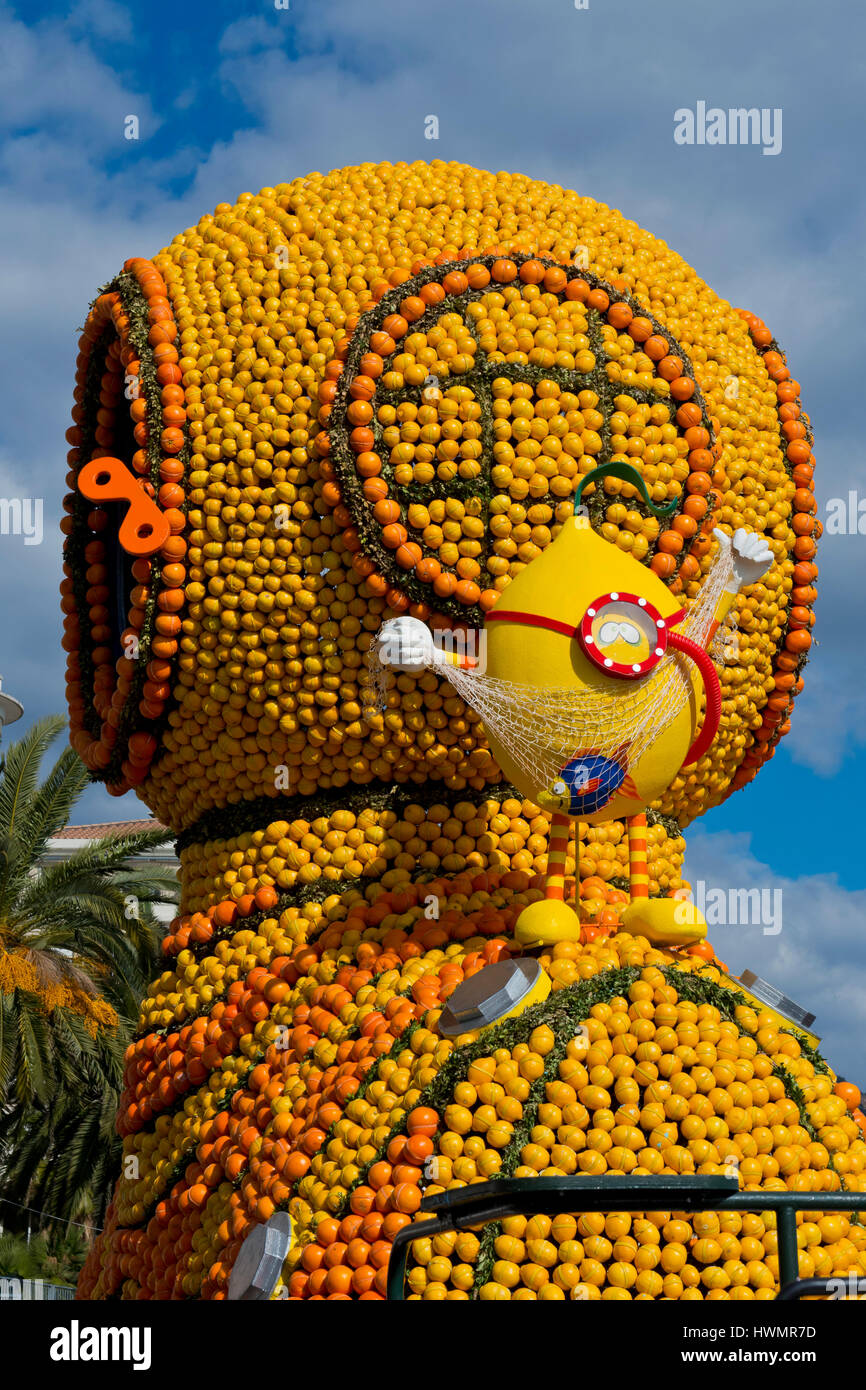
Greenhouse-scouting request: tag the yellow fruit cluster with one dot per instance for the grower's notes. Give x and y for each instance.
(604, 855)
(159, 1151)
(668, 1255)
(545, 438)
(366, 1124)
(196, 982)
(439, 838)
(314, 1038)
(268, 678)
(17, 972)
(651, 1084)
(295, 1023)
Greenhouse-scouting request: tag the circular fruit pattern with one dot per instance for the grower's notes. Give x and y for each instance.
(470, 403)
(220, 373)
(121, 613)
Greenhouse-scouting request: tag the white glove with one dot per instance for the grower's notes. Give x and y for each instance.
(406, 644)
(750, 554)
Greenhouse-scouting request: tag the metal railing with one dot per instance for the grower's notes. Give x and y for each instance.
(33, 1290)
(465, 1208)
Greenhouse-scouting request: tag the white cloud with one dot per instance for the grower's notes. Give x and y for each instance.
(54, 82)
(818, 958)
(553, 99)
(249, 35)
(102, 19)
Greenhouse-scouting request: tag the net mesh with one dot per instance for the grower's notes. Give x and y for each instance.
(544, 729)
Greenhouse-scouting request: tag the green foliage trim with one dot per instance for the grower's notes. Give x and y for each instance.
(483, 373)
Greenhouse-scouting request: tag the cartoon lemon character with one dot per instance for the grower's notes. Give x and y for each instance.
(590, 691)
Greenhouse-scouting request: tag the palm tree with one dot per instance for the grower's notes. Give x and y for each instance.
(55, 1256)
(79, 942)
(19, 1259)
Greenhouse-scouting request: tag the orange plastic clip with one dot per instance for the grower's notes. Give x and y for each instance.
(144, 529)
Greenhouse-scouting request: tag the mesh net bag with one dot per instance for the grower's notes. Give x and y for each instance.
(545, 728)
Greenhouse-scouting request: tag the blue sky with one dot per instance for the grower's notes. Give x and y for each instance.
(231, 97)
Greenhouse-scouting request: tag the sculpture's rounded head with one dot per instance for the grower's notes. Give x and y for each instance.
(375, 392)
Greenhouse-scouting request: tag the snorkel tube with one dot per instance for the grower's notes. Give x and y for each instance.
(710, 678)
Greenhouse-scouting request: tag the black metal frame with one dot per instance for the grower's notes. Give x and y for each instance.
(465, 1208)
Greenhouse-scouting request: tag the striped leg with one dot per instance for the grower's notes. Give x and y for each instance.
(550, 919)
(660, 920)
(638, 871)
(557, 849)
(580, 829)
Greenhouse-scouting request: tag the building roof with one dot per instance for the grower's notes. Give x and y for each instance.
(73, 838)
(117, 827)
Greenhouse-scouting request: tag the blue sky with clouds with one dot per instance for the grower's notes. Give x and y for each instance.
(232, 97)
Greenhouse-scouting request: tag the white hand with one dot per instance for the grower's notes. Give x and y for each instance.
(406, 644)
(750, 553)
(752, 556)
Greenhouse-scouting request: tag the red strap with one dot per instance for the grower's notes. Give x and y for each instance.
(567, 629)
(713, 714)
(532, 620)
(699, 656)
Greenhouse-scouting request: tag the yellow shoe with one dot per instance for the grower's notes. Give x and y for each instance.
(665, 921)
(546, 922)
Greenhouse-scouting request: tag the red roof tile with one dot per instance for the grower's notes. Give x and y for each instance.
(118, 827)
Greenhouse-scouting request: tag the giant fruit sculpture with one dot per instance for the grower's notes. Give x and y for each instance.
(371, 394)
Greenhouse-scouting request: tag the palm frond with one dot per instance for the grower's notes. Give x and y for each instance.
(96, 861)
(21, 764)
(89, 923)
(18, 1260)
(64, 1158)
(8, 1042)
(50, 807)
(35, 1073)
